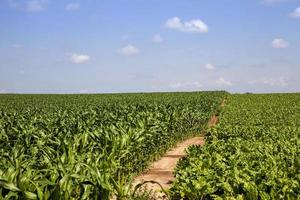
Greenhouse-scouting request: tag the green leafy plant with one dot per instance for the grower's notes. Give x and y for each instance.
(253, 152)
(91, 146)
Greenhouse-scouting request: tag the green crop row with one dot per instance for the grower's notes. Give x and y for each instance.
(91, 146)
(253, 152)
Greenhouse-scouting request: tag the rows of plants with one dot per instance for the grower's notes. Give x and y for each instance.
(91, 146)
(253, 152)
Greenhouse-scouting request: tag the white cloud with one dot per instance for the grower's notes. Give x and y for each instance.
(72, 6)
(12, 3)
(28, 5)
(84, 91)
(36, 5)
(279, 43)
(186, 85)
(125, 37)
(270, 2)
(157, 38)
(17, 46)
(197, 84)
(209, 66)
(195, 25)
(295, 13)
(21, 72)
(281, 81)
(79, 58)
(2, 91)
(176, 85)
(222, 82)
(129, 50)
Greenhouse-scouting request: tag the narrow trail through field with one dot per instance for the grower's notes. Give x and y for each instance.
(161, 171)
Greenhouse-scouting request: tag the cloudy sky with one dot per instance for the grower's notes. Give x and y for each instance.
(92, 46)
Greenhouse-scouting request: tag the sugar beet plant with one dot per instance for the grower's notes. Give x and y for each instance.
(253, 153)
(90, 146)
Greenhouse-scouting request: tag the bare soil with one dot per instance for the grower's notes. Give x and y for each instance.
(213, 121)
(162, 170)
(223, 103)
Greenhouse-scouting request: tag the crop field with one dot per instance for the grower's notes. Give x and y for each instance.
(253, 152)
(91, 146)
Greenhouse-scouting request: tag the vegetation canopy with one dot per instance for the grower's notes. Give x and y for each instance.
(91, 146)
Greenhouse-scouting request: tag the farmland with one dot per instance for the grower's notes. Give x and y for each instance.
(253, 152)
(91, 146)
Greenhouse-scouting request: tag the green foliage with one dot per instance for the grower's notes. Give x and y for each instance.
(90, 146)
(253, 153)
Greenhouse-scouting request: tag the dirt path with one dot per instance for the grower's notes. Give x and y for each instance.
(162, 170)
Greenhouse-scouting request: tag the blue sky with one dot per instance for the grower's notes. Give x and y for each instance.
(90, 46)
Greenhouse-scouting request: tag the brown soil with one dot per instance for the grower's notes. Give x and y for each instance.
(213, 121)
(223, 103)
(162, 170)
